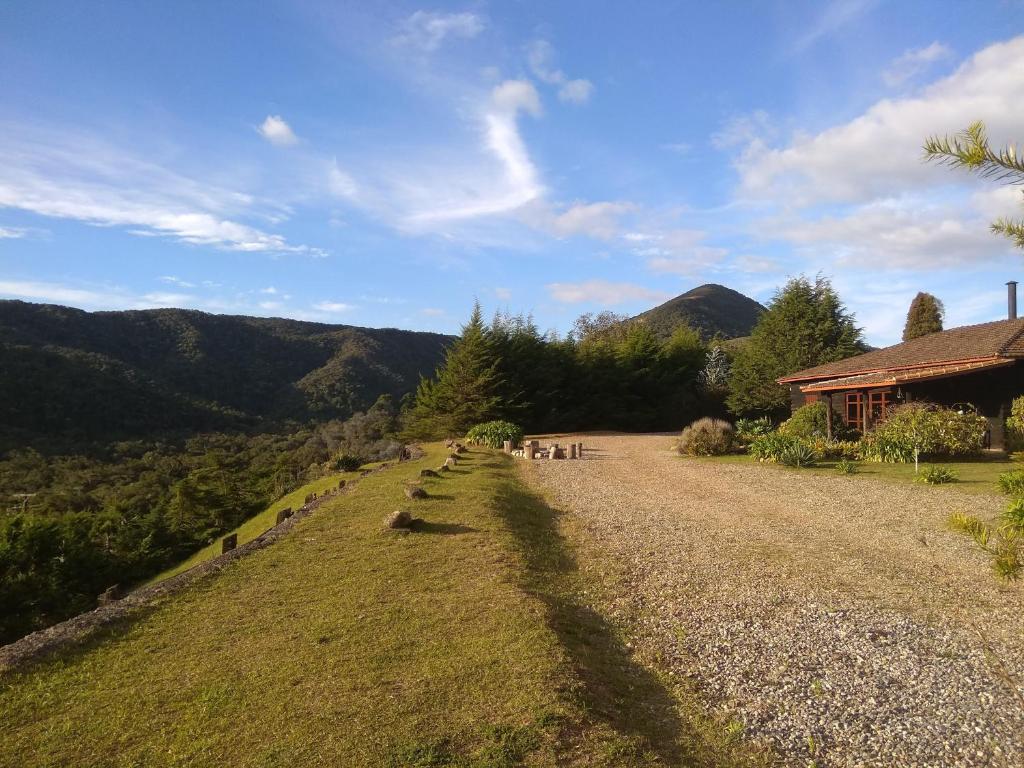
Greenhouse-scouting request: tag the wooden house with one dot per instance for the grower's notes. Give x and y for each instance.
(974, 366)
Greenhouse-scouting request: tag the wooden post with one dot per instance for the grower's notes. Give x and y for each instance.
(553, 452)
(229, 543)
(828, 415)
(867, 411)
(572, 450)
(507, 447)
(579, 449)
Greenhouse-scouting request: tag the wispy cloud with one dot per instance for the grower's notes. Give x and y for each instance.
(602, 292)
(428, 30)
(12, 233)
(172, 280)
(913, 63)
(72, 176)
(333, 307)
(832, 16)
(275, 130)
(540, 55)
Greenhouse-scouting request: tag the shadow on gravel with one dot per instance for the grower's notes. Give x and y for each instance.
(613, 689)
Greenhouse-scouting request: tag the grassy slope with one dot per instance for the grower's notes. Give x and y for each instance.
(258, 524)
(978, 476)
(463, 644)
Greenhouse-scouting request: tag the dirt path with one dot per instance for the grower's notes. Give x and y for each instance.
(836, 616)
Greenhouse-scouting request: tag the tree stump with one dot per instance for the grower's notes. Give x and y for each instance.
(283, 514)
(229, 543)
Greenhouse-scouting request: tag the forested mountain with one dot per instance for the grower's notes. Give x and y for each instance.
(69, 378)
(712, 309)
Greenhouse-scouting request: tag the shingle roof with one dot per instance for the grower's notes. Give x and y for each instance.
(892, 378)
(969, 343)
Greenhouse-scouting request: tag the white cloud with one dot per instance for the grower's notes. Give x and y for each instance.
(597, 220)
(341, 183)
(333, 307)
(675, 251)
(540, 55)
(433, 312)
(427, 30)
(879, 153)
(12, 233)
(171, 279)
(576, 91)
(269, 290)
(898, 234)
(271, 305)
(275, 130)
(503, 293)
(744, 129)
(89, 298)
(469, 196)
(75, 177)
(913, 63)
(756, 264)
(833, 15)
(602, 292)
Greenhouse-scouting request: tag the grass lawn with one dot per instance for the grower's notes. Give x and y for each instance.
(466, 643)
(974, 476)
(258, 524)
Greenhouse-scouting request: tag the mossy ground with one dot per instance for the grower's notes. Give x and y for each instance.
(464, 643)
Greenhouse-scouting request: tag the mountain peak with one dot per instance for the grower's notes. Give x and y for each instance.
(711, 308)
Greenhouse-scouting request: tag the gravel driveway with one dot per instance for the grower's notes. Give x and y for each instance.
(836, 617)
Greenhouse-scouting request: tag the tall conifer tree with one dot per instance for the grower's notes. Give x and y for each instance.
(806, 325)
(465, 389)
(924, 316)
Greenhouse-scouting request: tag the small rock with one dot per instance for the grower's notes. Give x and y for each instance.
(428, 473)
(398, 519)
(415, 492)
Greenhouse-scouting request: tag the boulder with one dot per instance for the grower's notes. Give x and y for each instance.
(428, 473)
(415, 492)
(398, 519)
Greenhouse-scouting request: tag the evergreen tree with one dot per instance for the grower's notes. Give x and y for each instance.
(465, 390)
(924, 317)
(806, 325)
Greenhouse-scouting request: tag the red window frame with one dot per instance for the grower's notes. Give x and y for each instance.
(853, 414)
(879, 403)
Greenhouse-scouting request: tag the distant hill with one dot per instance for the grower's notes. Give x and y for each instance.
(711, 309)
(69, 377)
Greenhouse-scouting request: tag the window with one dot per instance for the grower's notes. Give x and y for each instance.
(880, 402)
(854, 415)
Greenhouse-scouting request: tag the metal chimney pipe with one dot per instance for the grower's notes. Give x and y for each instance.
(1011, 299)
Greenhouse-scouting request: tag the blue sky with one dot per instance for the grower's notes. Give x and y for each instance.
(384, 165)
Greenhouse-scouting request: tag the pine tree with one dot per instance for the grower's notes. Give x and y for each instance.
(465, 389)
(806, 325)
(924, 316)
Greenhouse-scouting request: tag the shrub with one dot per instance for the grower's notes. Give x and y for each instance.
(836, 449)
(811, 421)
(1015, 424)
(493, 434)
(749, 429)
(348, 463)
(770, 447)
(1003, 544)
(706, 437)
(1012, 483)
(799, 454)
(936, 476)
(920, 428)
(1013, 517)
(846, 467)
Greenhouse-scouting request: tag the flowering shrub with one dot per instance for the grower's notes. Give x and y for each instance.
(920, 428)
(706, 437)
(493, 434)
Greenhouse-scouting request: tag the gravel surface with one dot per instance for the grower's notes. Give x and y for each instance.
(835, 617)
